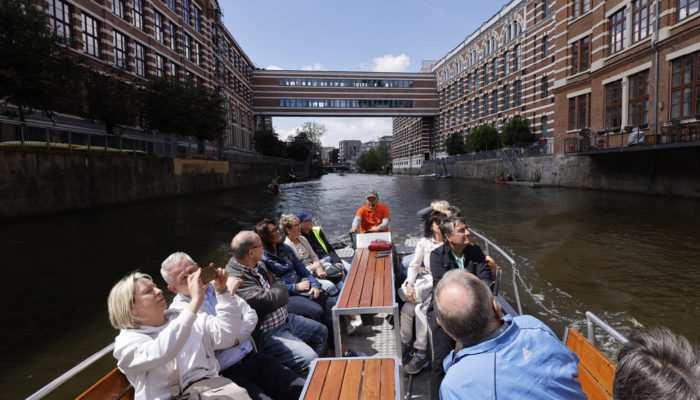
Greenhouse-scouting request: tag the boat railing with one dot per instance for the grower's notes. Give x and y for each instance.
(70, 373)
(592, 321)
(488, 246)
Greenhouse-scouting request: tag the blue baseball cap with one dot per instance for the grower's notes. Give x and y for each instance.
(304, 216)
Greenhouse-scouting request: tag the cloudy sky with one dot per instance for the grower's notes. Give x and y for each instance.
(361, 35)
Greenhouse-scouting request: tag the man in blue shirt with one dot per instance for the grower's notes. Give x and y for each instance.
(502, 357)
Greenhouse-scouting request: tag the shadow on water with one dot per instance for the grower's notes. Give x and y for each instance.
(631, 259)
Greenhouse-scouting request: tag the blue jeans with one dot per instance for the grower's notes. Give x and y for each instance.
(296, 343)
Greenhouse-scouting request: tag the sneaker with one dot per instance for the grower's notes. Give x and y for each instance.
(416, 364)
(353, 325)
(406, 353)
(352, 353)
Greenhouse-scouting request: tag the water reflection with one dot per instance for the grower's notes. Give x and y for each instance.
(632, 259)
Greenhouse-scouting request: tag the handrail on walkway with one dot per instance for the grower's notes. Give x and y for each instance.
(592, 320)
(70, 373)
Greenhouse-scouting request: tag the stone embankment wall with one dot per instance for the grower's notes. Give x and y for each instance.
(669, 172)
(34, 183)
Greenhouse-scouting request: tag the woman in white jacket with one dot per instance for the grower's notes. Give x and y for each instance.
(157, 349)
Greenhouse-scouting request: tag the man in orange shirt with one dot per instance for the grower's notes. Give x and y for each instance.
(372, 217)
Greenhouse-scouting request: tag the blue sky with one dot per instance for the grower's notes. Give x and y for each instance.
(360, 35)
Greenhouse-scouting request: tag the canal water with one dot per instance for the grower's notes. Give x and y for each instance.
(631, 259)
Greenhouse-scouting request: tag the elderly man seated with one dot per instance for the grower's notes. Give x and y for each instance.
(503, 357)
(241, 363)
(170, 353)
(294, 340)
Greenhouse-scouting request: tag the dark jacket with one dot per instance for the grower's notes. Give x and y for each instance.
(318, 248)
(442, 260)
(288, 267)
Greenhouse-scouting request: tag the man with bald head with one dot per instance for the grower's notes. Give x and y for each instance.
(503, 357)
(294, 340)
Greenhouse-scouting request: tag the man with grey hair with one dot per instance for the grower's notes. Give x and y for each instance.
(241, 363)
(503, 357)
(294, 340)
(657, 364)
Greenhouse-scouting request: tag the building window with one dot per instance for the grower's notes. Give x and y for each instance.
(613, 104)
(516, 58)
(172, 70)
(118, 7)
(158, 25)
(138, 13)
(494, 101)
(197, 59)
(171, 4)
(60, 18)
(617, 24)
(188, 47)
(581, 7)
(578, 112)
(545, 46)
(545, 9)
(186, 11)
(140, 59)
(494, 69)
(486, 105)
(160, 66)
(195, 18)
(173, 37)
(545, 87)
(580, 54)
(461, 88)
(642, 19)
(686, 8)
(506, 63)
(486, 74)
(506, 97)
(121, 55)
(685, 86)
(477, 83)
(477, 110)
(517, 93)
(469, 83)
(543, 125)
(91, 35)
(638, 107)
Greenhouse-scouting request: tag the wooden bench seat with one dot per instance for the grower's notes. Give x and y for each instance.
(114, 386)
(368, 289)
(595, 371)
(353, 378)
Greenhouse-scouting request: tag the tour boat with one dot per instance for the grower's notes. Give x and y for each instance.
(596, 370)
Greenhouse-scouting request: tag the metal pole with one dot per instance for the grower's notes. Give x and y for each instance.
(70, 141)
(48, 138)
(21, 135)
(591, 333)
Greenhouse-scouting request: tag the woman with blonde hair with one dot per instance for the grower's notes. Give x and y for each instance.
(167, 353)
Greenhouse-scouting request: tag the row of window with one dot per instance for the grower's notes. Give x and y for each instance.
(543, 128)
(487, 105)
(642, 25)
(357, 83)
(345, 103)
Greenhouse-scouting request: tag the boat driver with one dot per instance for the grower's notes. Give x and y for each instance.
(372, 217)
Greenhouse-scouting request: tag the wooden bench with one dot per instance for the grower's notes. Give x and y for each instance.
(114, 386)
(368, 289)
(353, 378)
(595, 370)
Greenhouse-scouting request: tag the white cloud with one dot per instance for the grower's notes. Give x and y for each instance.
(315, 67)
(337, 129)
(273, 67)
(391, 63)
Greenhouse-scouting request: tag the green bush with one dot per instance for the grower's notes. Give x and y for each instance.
(517, 130)
(454, 144)
(482, 138)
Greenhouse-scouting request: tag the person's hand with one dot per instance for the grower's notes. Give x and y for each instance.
(315, 292)
(219, 282)
(353, 229)
(374, 229)
(411, 293)
(197, 290)
(421, 270)
(303, 286)
(321, 273)
(234, 283)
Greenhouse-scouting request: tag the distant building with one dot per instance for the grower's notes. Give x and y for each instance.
(327, 155)
(348, 150)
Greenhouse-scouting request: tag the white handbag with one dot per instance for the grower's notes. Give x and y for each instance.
(423, 288)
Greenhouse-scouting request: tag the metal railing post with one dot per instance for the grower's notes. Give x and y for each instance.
(70, 141)
(21, 135)
(48, 142)
(590, 331)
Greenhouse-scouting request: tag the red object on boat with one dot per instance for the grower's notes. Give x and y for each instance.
(501, 180)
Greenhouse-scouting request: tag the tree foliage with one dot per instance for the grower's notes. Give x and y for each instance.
(268, 143)
(483, 137)
(184, 108)
(454, 144)
(517, 130)
(35, 72)
(298, 151)
(111, 99)
(374, 160)
(314, 132)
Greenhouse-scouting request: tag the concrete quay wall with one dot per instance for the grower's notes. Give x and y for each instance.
(33, 183)
(675, 172)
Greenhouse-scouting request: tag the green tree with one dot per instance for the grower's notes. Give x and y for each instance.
(314, 132)
(267, 143)
(455, 144)
(483, 137)
(374, 160)
(298, 151)
(111, 99)
(517, 130)
(35, 71)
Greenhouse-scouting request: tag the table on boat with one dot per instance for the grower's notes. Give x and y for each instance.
(368, 289)
(353, 378)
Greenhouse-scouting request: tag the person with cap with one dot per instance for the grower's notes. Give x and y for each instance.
(372, 217)
(318, 241)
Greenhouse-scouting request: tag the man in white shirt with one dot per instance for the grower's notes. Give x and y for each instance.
(259, 373)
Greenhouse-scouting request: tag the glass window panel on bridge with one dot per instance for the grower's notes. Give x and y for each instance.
(346, 103)
(359, 83)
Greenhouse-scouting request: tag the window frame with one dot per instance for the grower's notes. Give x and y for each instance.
(617, 30)
(121, 50)
(140, 59)
(613, 105)
(683, 8)
(158, 31)
(578, 105)
(91, 36)
(638, 99)
(643, 15)
(687, 89)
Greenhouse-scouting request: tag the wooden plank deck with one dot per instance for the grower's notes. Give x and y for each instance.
(366, 378)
